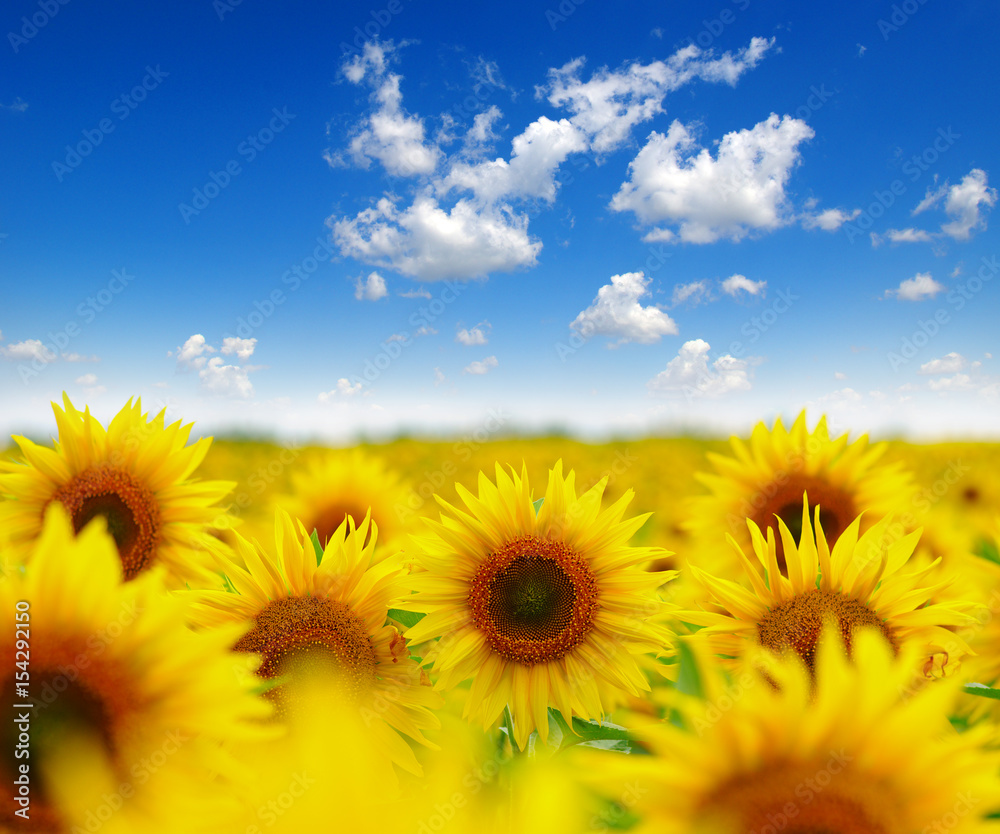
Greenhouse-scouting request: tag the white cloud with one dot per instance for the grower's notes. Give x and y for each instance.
(611, 103)
(948, 364)
(480, 368)
(839, 375)
(962, 202)
(420, 292)
(28, 350)
(735, 284)
(694, 293)
(917, 288)
(342, 389)
(689, 372)
(191, 354)
(243, 348)
(829, 220)
(87, 379)
(536, 154)
(481, 134)
(439, 376)
(908, 235)
(474, 335)
(230, 380)
(616, 311)
(740, 190)
(79, 357)
(371, 288)
(958, 382)
(425, 330)
(388, 134)
(425, 241)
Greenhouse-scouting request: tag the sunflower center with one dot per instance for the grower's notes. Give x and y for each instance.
(312, 631)
(534, 600)
(798, 623)
(130, 508)
(821, 797)
(837, 510)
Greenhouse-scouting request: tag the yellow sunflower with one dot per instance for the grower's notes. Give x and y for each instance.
(766, 478)
(308, 618)
(838, 750)
(136, 474)
(335, 484)
(538, 607)
(861, 582)
(128, 705)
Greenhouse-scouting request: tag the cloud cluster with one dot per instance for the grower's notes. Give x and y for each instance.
(617, 312)
(691, 373)
(214, 374)
(921, 286)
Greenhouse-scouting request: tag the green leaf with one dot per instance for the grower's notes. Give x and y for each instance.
(406, 618)
(987, 550)
(538, 504)
(267, 684)
(317, 546)
(689, 676)
(982, 690)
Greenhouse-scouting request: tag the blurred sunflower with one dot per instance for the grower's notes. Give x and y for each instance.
(328, 615)
(836, 751)
(136, 474)
(860, 583)
(767, 478)
(337, 484)
(538, 607)
(129, 703)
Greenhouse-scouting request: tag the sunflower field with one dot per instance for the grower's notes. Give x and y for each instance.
(786, 632)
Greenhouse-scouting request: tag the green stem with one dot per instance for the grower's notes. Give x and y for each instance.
(508, 723)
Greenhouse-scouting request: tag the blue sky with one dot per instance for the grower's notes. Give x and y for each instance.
(331, 219)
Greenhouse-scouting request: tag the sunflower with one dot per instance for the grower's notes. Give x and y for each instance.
(136, 474)
(766, 478)
(329, 618)
(539, 607)
(336, 484)
(129, 705)
(834, 749)
(859, 583)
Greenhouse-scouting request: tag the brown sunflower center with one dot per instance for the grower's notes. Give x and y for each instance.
(798, 623)
(130, 508)
(330, 518)
(314, 632)
(837, 511)
(534, 600)
(821, 797)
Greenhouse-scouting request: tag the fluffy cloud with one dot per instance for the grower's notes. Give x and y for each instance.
(611, 103)
(420, 292)
(230, 380)
(693, 293)
(87, 379)
(425, 241)
(958, 382)
(371, 288)
(28, 350)
(474, 335)
(736, 284)
(908, 235)
(480, 368)
(342, 389)
(616, 311)
(948, 364)
(962, 202)
(740, 190)
(690, 373)
(829, 220)
(191, 355)
(388, 134)
(242, 348)
(917, 288)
